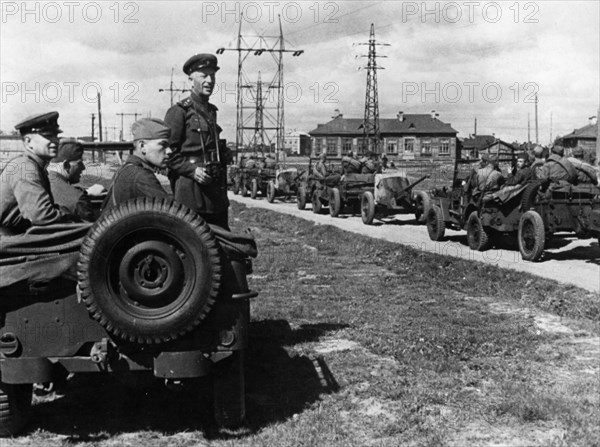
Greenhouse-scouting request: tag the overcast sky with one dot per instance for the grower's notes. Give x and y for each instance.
(462, 59)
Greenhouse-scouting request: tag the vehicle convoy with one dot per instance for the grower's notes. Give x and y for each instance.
(156, 289)
(532, 213)
(378, 195)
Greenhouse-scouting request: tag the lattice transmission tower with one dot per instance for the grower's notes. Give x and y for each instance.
(371, 140)
(254, 116)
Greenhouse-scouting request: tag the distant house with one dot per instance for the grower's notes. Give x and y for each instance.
(470, 147)
(297, 143)
(500, 148)
(406, 137)
(584, 137)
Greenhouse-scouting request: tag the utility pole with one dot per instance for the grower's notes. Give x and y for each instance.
(537, 136)
(475, 128)
(275, 45)
(99, 117)
(529, 128)
(598, 138)
(100, 153)
(93, 138)
(371, 132)
(135, 115)
(550, 128)
(171, 89)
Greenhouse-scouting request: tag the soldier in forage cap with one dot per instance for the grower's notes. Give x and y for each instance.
(523, 173)
(557, 168)
(25, 194)
(64, 171)
(137, 178)
(199, 161)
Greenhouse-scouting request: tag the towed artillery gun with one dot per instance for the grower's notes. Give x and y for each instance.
(155, 289)
(285, 184)
(378, 195)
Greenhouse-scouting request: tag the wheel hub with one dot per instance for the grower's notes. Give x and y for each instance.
(151, 273)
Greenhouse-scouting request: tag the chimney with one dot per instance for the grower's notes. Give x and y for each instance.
(593, 120)
(400, 116)
(434, 115)
(337, 114)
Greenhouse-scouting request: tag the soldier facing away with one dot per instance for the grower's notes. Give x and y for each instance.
(557, 167)
(198, 164)
(25, 194)
(585, 172)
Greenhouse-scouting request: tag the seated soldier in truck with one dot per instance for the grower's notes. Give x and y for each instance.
(137, 178)
(25, 195)
(557, 168)
(586, 173)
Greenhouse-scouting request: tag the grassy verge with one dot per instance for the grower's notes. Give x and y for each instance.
(357, 342)
(453, 367)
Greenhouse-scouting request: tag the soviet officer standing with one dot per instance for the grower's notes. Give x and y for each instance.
(198, 165)
(25, 194)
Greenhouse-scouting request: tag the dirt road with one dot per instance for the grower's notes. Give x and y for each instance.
(566, 260)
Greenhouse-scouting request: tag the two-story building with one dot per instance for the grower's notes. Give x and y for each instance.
(406, 137)
(297, 143)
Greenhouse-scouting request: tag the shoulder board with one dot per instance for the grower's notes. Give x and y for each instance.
(185, 103)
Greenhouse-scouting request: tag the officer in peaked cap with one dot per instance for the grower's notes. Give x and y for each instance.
(137, 178)
(199, 161)
(25, 194)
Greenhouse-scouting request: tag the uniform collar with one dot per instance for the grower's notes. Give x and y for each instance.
(201, 102)
(137, 161)
(42, 163)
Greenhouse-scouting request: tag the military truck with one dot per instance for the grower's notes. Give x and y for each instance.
(482, 216)
(155, 289)
(532, 213)
(548, 209)
(317, 191)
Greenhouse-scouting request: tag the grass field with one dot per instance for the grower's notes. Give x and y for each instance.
(357, 342)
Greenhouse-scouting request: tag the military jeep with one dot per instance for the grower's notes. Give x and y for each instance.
(557, 207)
(155, 288)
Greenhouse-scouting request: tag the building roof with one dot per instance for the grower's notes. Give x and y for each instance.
(410, 125)
(586, 132)
(478, 141)
(489, 146)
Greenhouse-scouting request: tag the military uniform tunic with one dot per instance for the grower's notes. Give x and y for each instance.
(71, 198)
(558, 168)
(194, 141)
(134, 179)
(26, 196)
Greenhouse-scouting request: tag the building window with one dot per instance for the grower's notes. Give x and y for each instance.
(331, 146)
(426, 148)
(445, 147)
(392, 146)
(409, 145)
(346, 145)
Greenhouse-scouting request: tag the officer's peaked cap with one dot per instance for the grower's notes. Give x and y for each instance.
(200, 61)
(39, 123)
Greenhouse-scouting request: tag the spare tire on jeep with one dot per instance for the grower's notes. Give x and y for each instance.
(149, 270)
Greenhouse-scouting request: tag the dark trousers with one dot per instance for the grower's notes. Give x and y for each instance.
(209, 201)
